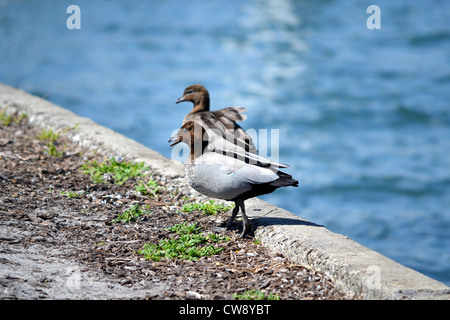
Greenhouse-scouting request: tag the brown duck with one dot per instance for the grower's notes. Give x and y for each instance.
(219, 123)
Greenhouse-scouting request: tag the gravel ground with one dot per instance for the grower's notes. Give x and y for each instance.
(53, 246)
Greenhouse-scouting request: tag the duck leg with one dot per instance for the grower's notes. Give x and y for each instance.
(233, 215)
(239, 204)
(245, 222)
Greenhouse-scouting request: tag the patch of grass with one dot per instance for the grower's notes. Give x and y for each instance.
(255, 295)
(183, 228)
(53, 151)
(209, 208)
(51, 136)
(188, 244)
(132, 213)
(48, 135)
(148, 188)
(119, 171)
(67, 129)
(72, 194)
(7, 119)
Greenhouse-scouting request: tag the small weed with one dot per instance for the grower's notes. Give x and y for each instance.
(72, 194)
(119, 172)
(183, 228)
(132, 213)
(51, 136)
(189, 244)
(53, 152)
(67, 129)
(6, 119)
(209, 208)
(255, 295)
(149, 188)
(48, 135)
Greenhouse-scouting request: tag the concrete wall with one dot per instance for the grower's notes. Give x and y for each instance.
(352, 266)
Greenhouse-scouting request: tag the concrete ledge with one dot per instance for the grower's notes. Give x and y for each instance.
(353, 267)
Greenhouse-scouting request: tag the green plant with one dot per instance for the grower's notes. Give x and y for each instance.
(6, 119)
(52, 151)
(148, 188)
(51, 136)
(120, 171)
(48, 135)
(188, 244)
(255, 295)
(71, 194)
(208, 208)
(132, 213)
(183, 228)
(67, 129)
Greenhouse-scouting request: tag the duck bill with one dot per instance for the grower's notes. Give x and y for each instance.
(180, 100)
(173, 141)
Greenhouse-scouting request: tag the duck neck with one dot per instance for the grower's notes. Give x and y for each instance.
(197, 148)
(201, 104)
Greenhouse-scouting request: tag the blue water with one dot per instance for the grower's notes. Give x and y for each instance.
(364, 115)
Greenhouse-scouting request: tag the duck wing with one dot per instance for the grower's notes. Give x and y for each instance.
(246, 157)
(223, 177)
(221, 125)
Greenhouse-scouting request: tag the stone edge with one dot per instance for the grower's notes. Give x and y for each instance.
(354, 268)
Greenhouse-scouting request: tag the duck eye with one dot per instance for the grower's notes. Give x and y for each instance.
(189, 92)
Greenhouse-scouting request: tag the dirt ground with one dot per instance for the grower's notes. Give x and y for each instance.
(53, 246)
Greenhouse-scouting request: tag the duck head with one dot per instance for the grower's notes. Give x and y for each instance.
(193, 135)
(185, 134)
(198, 95)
